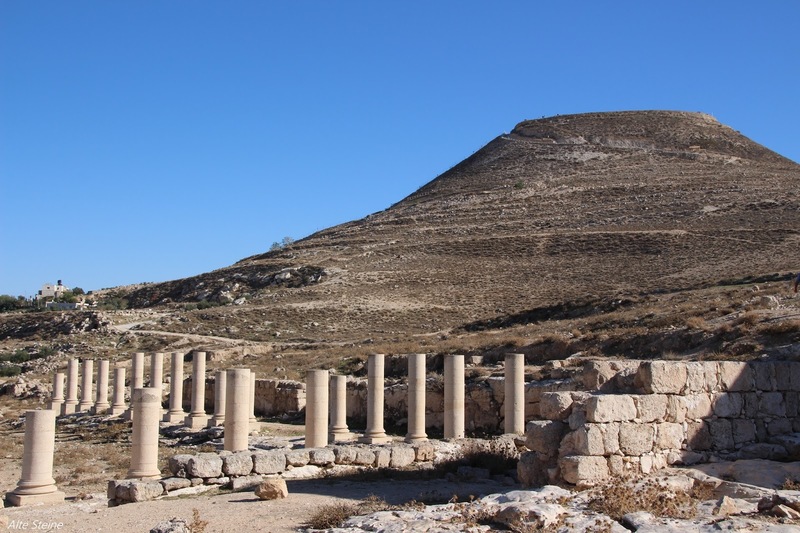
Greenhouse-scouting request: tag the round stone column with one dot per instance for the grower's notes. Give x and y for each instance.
(71, 402)
(137, 378)
(514, 402)
(175, 414)
(87, 401)
(453, 396)
(316, 409)
(416, 398)
(237, 403)
(101, 404)
(57, 400)
(338, 410)
(36, 484)
(375, 433)
(118, 405)
(220, 380)
(198, 419)
(254, 424)
(157, 371)
(144, 440)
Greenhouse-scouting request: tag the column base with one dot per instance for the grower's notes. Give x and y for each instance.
(215, 421)
(342, 436)
(100, 409)
(57, 406)
(128, 414)
(69, 408)
(117, 411)
(196, 422)
(174, 418)
(416, 438)
(18, 500)
(254, 426)
(85, 407)
(376, 439)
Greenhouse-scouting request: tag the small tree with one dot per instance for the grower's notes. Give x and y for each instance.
(77, 291)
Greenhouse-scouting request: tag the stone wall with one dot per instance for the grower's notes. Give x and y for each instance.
(274, 397)
(662, 413)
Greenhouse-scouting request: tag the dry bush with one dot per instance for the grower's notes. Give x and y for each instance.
(779, 328)
(747, 319)
(618, 499)
(696, 322)
(790, 484)
(331, 515)
(197, 524)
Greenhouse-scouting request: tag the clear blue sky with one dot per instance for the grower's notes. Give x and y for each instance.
(153, 140)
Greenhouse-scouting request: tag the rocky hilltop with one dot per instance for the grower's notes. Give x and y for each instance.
(562, 219)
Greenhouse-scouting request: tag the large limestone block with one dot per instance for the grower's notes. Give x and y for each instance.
(698, 406)
(676, 409)
(402, 456)
(237, 464)
(662, 377)
(531, 470)
(636, 439)
(610, 408)
(735, 376)
(771, 404)
(555, 405)
(794, 373)
(597, 439)
(204, 465)
(382, 457)
(743, 431)
(721, 434)
(764, 375)
(178, 464)
(650, 407)
(345, 455)
(544, 436)
(779, 426)
(297, 457)
(269, 462)
(424, 451)
(669, 436)
(272, 489)
(584, 470)
(712, 375)
(321, 457)
(695, 378)
(728, 404)
(364, 457)
(783, 375)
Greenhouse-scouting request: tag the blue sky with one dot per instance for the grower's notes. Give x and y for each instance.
(154, 140)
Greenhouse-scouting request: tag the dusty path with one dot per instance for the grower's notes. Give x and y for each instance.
(240, 511)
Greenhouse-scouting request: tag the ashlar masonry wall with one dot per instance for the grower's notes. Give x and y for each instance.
(676, 413)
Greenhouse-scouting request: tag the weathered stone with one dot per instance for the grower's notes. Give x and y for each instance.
(676, 409)
(763, 450)
(402, 456)
(771, 404)
(728, 404)
(792, 401)
(221, 480)
(698, 406)
(695, 378)
(698, 436)
(791, 443)
(721, 434)
(544, 436)
(175, 483)
(297, 457)
(588, 440)
(636, 439)
(246, 482)
(178, 464)
(272, 489)
(735, 376)
(779, 426)
(345, 455)
(764, 375)
(364, 457)
(794, 373)
(784, 511)
(141, 491)
(237, 464)
(610, 408)
(174, 525)
(382, 457)
(555, 405)
(650, 407)
(783, 375)
(269, 462)
(424, 451)
(751, 402)
(531, 470)
(321, 457)
(743, 431)
(669, 436)
(662, 377)
(712, 375)
(204, 465)
(583, 470)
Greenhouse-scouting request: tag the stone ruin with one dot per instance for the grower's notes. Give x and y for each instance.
(591, 421)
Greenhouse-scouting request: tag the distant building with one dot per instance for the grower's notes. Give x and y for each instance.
(64, 306)
(49, 290)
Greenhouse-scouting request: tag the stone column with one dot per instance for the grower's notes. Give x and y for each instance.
(416, 398)
(137, 378)
(219, 399)
(36, 484)
(86, 385)
(157, 371)
(71, 403)
(253, 421)
(57, 400)
(101, 400)
(237, 403)
(198, 418)
(118, 405)
(175, 414)
(316, 409)
(146, 406)
(514, 402)
(375, 433)
(338, 410)
(453, 396)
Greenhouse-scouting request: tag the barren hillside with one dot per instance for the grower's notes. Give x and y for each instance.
(554, 229)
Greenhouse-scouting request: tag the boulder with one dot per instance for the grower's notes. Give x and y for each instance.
(269, 462)
(204, 465)
(237, 464)
(272, 489)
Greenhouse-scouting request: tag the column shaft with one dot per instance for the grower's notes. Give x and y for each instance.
(118, 405)
(237, 403)
(220, 379)
(197, 418)
(86, 385)
(416, 397)
(316, 409)
(101, 400)
(375, 433)
(36, 484)
(514, 402)
(71, 402)
(146, 404)
(175, 414)
(57, 400)
(453, 396)
(338, 410)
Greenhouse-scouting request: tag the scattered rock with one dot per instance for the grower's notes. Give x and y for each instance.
(272, 489)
